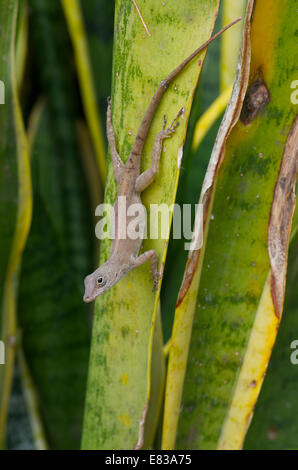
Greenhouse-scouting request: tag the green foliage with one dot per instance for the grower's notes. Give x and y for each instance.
(274, 425)
(122, 402)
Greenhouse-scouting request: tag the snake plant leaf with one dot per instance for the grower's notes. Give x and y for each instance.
(53, 320)
(119, 381)
(205, 118)
(193, 169)
(98, 19)
(156, 386)
(240, 297)
(19, 431)
(15, 199)
(229, 53)
(52, 49)
(21, 41)
(274, 424)
(185, 307)
(73, 15)
(59, 252)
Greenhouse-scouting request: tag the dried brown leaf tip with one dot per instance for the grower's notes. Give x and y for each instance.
(281, 218)
(256, 98)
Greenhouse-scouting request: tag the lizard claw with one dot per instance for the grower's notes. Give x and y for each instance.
(164, 122)
(155, 277)
(171, 130)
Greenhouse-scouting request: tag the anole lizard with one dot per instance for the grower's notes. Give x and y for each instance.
(124, 254)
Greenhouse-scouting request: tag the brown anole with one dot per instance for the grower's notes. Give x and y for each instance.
(124, 255)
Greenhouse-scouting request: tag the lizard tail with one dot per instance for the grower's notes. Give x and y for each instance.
(149, 114)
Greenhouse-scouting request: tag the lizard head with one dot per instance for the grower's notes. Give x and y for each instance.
(101, 280)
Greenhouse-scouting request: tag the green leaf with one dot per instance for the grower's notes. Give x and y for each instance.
(70, 211)
(229, 50)
(193, 168)
(52, 316)
(98, 18)
(58, 255)
(237, 312)
(15, 199)
(120, 369)
(274, 424)
(73, 15)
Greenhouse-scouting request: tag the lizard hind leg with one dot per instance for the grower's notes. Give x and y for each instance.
(175, 123)
(146, 178)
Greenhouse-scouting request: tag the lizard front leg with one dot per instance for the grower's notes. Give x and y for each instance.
(150, 254)
(118, 165)
(146, 178)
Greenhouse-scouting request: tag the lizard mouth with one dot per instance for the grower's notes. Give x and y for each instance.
(88, 298)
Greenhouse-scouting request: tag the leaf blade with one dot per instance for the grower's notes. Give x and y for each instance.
(114, 411)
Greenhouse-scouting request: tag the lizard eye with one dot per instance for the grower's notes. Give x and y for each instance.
(100, 281)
